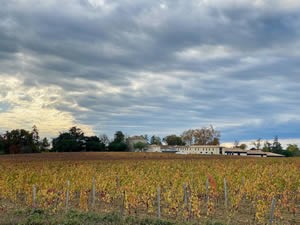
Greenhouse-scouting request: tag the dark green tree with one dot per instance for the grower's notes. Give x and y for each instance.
(267, 147)
(20, 141)
(94, 144)
(276, 146)
(72, 141)
(119, 137)
(155, 140)
(173, 140)
(44, 145)
(2, 144)
(118, 144)
(293, 149)
(140, 146)
(243, 146)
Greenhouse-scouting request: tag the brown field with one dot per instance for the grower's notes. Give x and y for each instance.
(139, 174)
(84, 156)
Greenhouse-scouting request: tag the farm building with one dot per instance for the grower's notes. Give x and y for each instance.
(201, 149)
(235, 151)
(154, 148)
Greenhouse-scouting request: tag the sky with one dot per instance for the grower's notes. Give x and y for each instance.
(152, 67)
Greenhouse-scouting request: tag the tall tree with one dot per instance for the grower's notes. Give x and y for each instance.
(20, 141)
(293, 149)
(93, 143)
(45, 145)
(257, 144)
(267, 147)
(173, 140)
(35, 134)
(276, 146)
(104, 139)
(118, 144)
(236, 144)
(145, 136)
(207, 136)
(2, 144)
(155, 140)
(188, 136)
(119, 137)
(71, 141)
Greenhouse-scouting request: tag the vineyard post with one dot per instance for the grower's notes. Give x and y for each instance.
(184, 195)
(158, 203)
(243, 185)
(123, 204)
(272, 211)
(57, 199)
(67, 197)
(34, 196)
(118, 182)
(207, 197)
(94, 191)
(225, 193)
(190, 208)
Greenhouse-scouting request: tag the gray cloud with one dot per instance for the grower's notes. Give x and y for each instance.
(160, 67)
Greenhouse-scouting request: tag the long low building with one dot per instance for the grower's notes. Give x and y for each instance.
(210, 150)
(252, 153)
(201, 149)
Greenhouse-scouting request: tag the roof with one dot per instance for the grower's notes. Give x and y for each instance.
(207, 146)
(271, 154)
(256, 152)
(235, 150)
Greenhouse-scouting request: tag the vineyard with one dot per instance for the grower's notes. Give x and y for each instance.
(232, 190)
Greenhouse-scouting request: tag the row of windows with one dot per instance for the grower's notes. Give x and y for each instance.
(205, 149)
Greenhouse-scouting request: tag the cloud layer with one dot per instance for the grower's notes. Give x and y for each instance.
(155, 67)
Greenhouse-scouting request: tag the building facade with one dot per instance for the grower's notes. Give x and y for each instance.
(153, 148)
(201, 149)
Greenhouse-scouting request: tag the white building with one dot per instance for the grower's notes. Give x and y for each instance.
(235, 151)
(251, 153)
(201, 149)
(154, 148)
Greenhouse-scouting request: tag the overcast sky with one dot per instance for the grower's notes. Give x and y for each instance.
(151, 67)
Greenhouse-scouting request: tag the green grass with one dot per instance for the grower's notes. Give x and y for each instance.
(40, 217)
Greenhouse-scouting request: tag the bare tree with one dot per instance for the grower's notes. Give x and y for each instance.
(207, 136)
(104, 139)
(236, 144)
(257, 144)
(188, 136)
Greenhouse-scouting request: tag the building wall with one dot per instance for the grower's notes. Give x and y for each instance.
(201, 149)
(154, 148)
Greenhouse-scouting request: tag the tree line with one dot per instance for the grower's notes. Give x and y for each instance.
(74, 140)
(276, 147)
